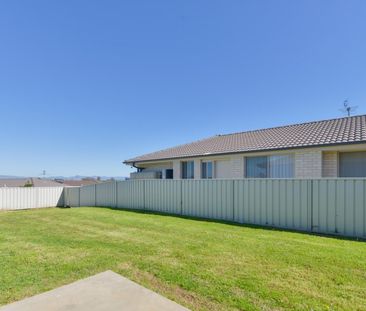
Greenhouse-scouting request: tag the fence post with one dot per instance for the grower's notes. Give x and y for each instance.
(116, 194)
(79, 196)
(95, 194)
(144, 194)
(37, 197)
(64, 196)
(311, 204)
(181, 196)
(233, 194)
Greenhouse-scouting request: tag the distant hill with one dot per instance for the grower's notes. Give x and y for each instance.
(80, 177)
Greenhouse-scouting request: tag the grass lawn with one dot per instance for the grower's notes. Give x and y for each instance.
(200, 264)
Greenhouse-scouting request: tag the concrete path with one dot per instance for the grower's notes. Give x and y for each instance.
(107, 291)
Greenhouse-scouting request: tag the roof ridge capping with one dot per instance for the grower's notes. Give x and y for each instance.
(289, 125)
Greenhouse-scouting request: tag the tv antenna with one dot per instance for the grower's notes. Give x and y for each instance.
(348, 110)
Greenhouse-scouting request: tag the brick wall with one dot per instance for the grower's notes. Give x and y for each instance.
(197, 169)
(330, 164)
(176, 169)
(308, 164)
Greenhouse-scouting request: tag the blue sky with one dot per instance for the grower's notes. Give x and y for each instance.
(87, 84)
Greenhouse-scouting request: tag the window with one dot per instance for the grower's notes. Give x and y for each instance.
(169, 173)
(281, 166)
(207, 170)
(276, 166)
(256, 167)
(188, 170)
(352, 164)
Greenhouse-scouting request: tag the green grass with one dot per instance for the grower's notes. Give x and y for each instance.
(200, 264)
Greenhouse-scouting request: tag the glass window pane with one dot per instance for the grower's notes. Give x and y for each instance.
(281, 166)
(206, 170)
(256, 167)
(190, 170)
(204, 173)
(352, 164)
(209, 170)
(184, 170)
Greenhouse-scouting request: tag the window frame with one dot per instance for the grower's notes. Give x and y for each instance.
(290, 156)
(189, 169)
(339, 159)
(268, 168)
(252, 157)
(212, 169)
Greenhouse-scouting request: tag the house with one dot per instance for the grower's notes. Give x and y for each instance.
(28, 182)
(43, 182)
(328, 148)
(14, 182)
(80, 183)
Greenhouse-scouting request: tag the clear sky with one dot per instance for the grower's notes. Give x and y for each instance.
(87, 84)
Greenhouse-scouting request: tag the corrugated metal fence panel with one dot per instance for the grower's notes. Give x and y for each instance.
(18, 198)
(208, 198)
(106, 194)
(87, 195)
(274, 202)
(324, 205)
(130, 194)
(24, 198)
(163, 196)
(50, 196)
(72, 196)
(339, 206)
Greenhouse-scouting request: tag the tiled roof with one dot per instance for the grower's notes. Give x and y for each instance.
(40, 182)
(79, 183)
(14, 182)
(328, 132)
(21, 182)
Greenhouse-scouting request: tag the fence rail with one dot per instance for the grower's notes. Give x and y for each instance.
(333, 206)
(32, 197)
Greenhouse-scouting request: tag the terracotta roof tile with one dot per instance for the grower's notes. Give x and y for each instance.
(336, 131)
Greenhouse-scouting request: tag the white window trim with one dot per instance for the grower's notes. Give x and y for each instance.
(213, 168)
(181, 169)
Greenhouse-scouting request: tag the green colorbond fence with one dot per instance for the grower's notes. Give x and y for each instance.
(333, 206)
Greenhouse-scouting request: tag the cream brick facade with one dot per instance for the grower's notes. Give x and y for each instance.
(176, 169)
(197, 168)
(330, 164)
(237, 165)
(308, 164)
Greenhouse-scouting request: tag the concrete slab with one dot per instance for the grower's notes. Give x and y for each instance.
(105, 291)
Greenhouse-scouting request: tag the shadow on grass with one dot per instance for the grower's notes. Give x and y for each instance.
(237, 224)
